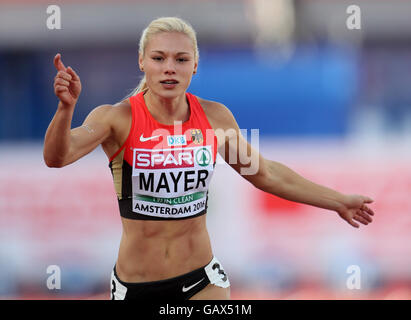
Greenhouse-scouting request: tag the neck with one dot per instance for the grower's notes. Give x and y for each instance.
(167, 110)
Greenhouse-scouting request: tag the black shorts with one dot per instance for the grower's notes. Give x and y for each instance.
(176, 289)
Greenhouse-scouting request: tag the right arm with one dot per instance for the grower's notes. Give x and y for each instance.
(63, 145)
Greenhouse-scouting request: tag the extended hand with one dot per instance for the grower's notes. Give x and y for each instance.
(67, 85)
(355, 208)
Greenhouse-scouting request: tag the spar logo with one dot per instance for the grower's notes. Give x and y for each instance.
(164, 159)
(203, 157)
(171, 158)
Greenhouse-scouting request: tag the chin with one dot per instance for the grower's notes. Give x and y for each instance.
(170, 94)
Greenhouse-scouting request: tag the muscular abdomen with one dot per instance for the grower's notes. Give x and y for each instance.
(157, 250)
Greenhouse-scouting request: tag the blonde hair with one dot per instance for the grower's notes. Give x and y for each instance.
(164, 24)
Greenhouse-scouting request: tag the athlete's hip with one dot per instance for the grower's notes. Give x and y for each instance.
(182, 287)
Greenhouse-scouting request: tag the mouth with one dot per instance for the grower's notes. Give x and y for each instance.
(169, 81)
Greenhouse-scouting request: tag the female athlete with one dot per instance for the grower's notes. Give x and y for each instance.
(162, 144)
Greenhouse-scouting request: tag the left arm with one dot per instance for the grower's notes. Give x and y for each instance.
(296, 188)
(276, 178)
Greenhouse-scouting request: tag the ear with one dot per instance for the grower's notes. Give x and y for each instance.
(140, 63)
(195, 67)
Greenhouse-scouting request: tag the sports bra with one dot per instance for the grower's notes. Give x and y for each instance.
(164, 171)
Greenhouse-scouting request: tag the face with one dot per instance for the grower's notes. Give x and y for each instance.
(168, 63)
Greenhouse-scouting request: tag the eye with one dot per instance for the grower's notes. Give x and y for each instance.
(182, 59)
(158, 58)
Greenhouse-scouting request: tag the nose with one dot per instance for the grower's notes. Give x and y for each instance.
(170, 67)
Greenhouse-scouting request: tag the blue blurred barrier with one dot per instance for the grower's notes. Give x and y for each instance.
(308, 95)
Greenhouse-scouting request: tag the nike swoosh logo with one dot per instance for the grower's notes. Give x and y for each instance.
(192, 286)
(142, 139)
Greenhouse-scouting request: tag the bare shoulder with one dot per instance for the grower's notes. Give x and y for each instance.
(108, 113)
(122, 108)
(120, 117)
(218, 114)
(118, 109)
(113, 117)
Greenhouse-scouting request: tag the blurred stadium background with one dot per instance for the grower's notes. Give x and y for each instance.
(331, 103)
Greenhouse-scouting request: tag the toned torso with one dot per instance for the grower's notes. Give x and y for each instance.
(156, 250)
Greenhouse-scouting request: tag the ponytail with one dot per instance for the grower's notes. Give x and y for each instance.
(142, 86)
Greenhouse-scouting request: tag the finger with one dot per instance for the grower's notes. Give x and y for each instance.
(364, 215)
(58, 63)
(59, 89)
(73, 74)
(368, 200)
(360, 219)
(62, 82)
(354, 224)
(64, 75)
(367, 209)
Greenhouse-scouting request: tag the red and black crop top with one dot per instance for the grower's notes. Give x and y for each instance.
(164, 171)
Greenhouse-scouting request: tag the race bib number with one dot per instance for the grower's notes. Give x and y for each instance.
(171, 183)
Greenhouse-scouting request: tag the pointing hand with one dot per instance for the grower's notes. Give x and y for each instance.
(67, 85)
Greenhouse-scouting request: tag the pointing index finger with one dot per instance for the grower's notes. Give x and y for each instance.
(58, 63)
